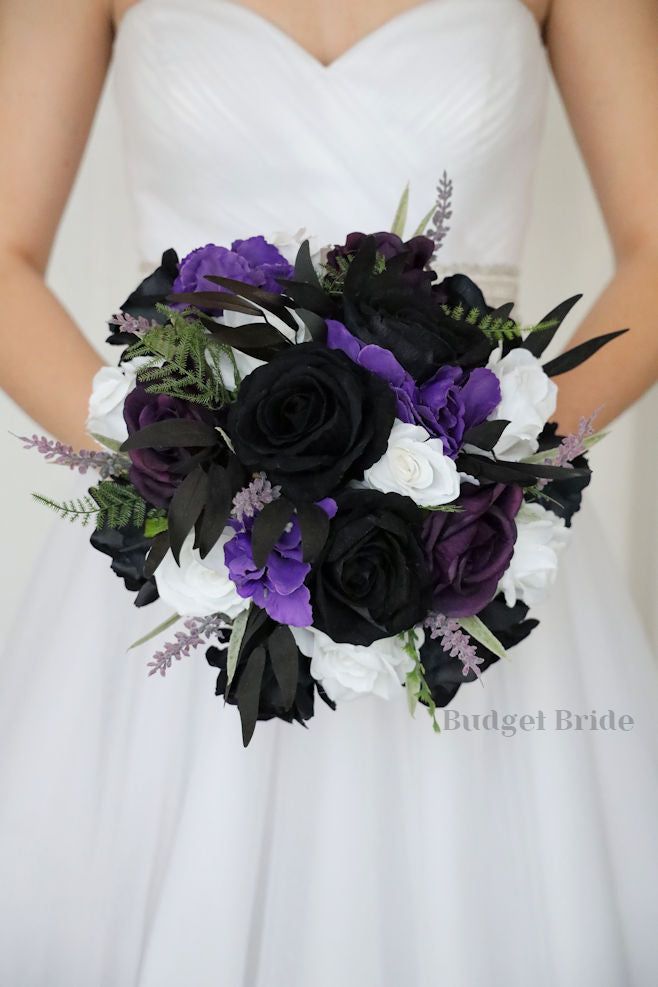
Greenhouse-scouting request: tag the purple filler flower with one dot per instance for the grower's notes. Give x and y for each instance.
(447, 405)
(471, 549)
(254, 261)
(278, 587)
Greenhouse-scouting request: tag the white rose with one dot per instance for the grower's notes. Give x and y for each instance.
(541, 536)
(288, 244)
(415, 466)
(199, 587)
(528, 398)
(347, 671)
(110, 388)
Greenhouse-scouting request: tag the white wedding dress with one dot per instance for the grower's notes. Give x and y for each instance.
(140, 844)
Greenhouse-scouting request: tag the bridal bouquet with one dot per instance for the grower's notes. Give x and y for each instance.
(338, 473)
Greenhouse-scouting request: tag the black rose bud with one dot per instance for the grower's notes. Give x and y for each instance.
(311, 419)
(372, 579)
(128, 547)
(445, 674)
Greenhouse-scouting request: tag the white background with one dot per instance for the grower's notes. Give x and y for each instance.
(94, 267)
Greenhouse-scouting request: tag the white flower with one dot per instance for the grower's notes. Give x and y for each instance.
(199, 587)
(289, 243)
(415, 466)
(110, 388)
(347, 671)
(541, 536)
(527, 402)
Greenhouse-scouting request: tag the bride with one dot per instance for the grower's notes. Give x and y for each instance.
(139, 843)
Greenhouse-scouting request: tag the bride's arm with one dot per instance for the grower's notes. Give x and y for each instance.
(53, 60)
(604, 55)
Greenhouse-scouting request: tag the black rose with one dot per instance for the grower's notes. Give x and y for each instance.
(311, 419)
(128, 547)
(372, 578)
(409, 320)
(271, 702)
(445, 674)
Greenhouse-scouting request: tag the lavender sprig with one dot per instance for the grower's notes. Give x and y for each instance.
(571, 446)
(198, 631)
(442, 212)
(107, 464)
(455, 642)
(136, 324)
(254, 497)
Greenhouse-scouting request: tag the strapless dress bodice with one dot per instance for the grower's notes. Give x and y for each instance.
(231, 128)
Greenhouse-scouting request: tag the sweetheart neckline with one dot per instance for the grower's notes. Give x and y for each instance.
(353, 51)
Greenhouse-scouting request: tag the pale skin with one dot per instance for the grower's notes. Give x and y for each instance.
(54, 55)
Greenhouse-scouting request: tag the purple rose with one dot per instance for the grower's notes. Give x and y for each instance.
(278, 587)
(418, 251)
(157, 472)
(254, 261)
(447, 405)
(470, 549)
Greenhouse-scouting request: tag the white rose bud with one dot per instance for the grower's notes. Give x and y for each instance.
(415, 466)
(348, 671)
(199, 587)
(528, 399)
(541, 536)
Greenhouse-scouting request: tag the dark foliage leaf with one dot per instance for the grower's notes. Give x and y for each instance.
(185, 507)
(159, 549)
(537, 341)
(308, 296)
(219, 497)
(268, 528)
(578, 354)
(253, 335)
(271, 301)
(362, 264)
(502, 471)
(503, 311)
(248, 692)
(314, 525)
(284, 656)
(215, 300)
(304, 270)
(486, 435)
(315, 324)
(182, 432)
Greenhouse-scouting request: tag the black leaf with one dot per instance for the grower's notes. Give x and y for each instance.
(486, 435)
(219, 497)
(172, 432)
(284, 656)
(314, 526)
(578, 354)
(268, 528)
(537, 341)
(248, 692)
(159, 549)
(185, 507)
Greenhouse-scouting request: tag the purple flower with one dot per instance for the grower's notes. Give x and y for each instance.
(470, 549)
(278, 587)
(254, 261)
(447, 405)
(157, 472)
(418, 251)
